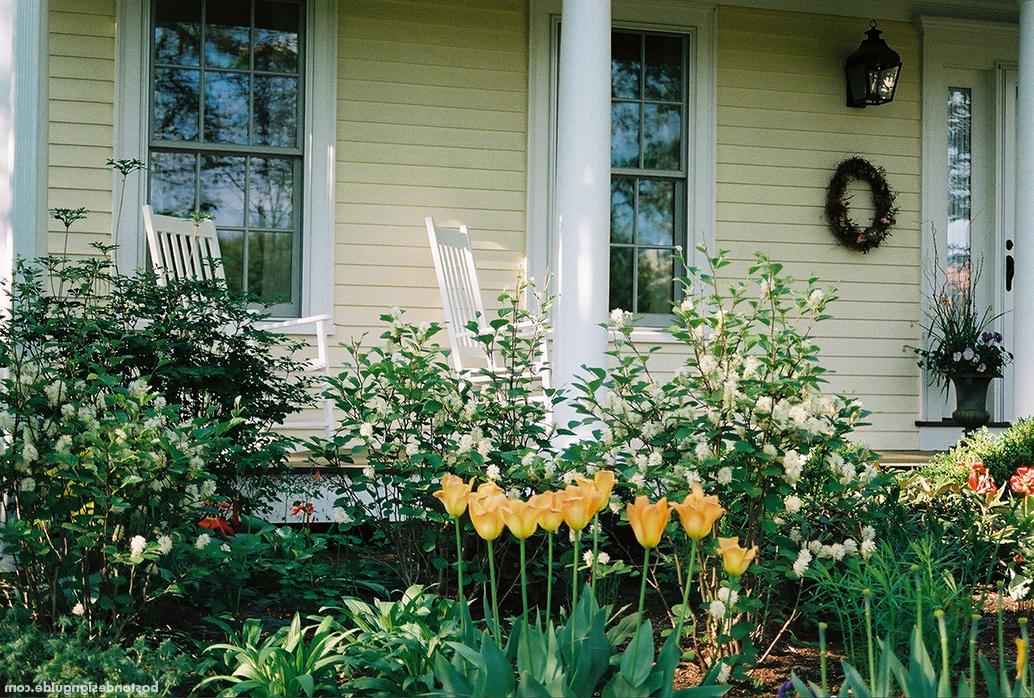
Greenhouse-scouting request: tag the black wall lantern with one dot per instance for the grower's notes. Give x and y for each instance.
(872, 71)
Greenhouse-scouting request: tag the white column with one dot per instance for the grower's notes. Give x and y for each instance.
(24, 70)
(582, 190)
(1023, 313)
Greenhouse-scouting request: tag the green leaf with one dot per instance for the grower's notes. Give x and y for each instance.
(619, 687)
(498, 681)
(637, 660)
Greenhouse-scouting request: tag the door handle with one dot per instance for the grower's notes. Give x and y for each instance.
(1010, 266)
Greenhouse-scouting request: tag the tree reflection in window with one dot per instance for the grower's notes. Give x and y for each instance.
(648, 168)
(226, 119)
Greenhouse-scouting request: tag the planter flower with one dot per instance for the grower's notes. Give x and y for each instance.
(962, 348)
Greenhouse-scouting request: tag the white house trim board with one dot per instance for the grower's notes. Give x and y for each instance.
(132, 74)
(23, 131)
(697, 21)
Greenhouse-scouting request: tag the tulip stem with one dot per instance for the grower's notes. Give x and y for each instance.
(549, 575)
(459, 564)
(495, 597)
(595, 552)
(574, 570)
(642, 586)
(524, 583)
(685, 592)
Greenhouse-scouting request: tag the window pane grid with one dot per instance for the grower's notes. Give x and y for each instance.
(648, 186)
(244, 159)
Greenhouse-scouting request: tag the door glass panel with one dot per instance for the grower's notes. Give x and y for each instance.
(960, 189)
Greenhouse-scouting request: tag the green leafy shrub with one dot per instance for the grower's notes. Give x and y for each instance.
(71, 656)
(200, 346)
(746, 417)
(1001, 453)
(406, 418)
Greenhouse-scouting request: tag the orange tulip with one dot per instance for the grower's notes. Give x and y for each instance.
(602, 483)
(521, 518)
(548, 505)
(454, 494)
(648, 521)
(489, 487)
(580, 504)
(486, 513)
(735, 559)
(698, 512)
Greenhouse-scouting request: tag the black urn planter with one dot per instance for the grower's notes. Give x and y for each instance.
(971, 400)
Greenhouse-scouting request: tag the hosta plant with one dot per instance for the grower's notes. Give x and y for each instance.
(293, 661)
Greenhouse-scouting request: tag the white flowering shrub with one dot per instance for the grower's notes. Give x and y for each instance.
(744, 415)
(102, 481)
(406, 418)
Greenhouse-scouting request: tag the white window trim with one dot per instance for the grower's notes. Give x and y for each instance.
(953, 51)
(700, 147)
(132, 55)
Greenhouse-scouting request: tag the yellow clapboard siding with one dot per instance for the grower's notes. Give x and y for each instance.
(473, 139)
(408, 52)
(434, 95)
(82, 24)
(460, 178)
(82, 93)
(804, 177)
(432, 155)
(405, 195)
(790, 157)
(501, 39)
(812, 232)
(389, 70)
(463, 115)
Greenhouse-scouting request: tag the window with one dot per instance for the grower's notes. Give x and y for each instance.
(648, 168)
(960, 187)
(226, 133)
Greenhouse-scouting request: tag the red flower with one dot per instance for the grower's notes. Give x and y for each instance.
(1023, 481)
(307, 508)
(980, 481)
(214, 523)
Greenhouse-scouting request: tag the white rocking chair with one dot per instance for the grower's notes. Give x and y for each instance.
(461, 300)
(183, 249)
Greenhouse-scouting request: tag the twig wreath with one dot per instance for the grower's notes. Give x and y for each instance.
(847, 231)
